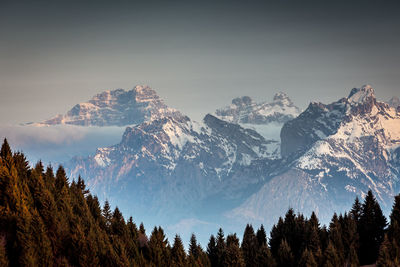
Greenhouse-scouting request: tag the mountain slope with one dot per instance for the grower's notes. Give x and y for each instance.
(265, 118)
(337, 151)
(116, 108)
(173, 164)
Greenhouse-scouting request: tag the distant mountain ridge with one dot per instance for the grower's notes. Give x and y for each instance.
(246, 110)
(116, 108)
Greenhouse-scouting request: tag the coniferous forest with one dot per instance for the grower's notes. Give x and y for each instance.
(48, 220)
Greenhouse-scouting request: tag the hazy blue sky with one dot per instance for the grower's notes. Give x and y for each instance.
(198, 55)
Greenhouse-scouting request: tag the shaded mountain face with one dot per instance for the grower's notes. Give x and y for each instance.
(245, 110)
(173, 165)
(331, 153)
(116, 108)
(265, 118)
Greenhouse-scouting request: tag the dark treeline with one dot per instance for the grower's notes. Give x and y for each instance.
(45, 220)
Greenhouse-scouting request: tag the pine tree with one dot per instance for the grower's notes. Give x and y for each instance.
(61, 179)
(313, 221)
(221, 247)
(285, 256)
(313, 242)
(233, 255)
(159, 248)
(5, 149)
(307, 259)
(212, 251)
(261, 236)
(193, 247)
(22, 165)
(394, 227)
(94, 206)
(178, 255)
(264, 257)
(324, 237)
(331, 256)
(118, 226)
(249, 246)
(203, 259)
(350, 239)
(195, 252)
(10, 191)
(41, 241)
(372, 225)
(63, 199)
(335, 237)
(132, 229)
(386, 257)
(356, 210)
(107, 214)
(6, 153)
(276, 237)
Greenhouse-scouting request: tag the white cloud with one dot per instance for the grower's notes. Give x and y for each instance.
(61, 142)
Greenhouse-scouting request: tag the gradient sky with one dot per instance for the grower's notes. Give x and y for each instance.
(197, 55)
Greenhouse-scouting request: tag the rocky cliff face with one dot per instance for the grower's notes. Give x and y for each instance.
(175, 164)
(333, 153)
(116, 108)
(319, 120)
(265, 118)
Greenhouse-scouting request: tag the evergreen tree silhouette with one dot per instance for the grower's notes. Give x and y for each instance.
(372, 225)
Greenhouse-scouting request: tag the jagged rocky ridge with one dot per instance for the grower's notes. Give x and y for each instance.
(265, 118)
(174, 167)
(245, 110)
(331, 153)
(116, 108)
(171, 165)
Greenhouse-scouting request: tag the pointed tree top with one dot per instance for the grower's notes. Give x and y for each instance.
(5, 149)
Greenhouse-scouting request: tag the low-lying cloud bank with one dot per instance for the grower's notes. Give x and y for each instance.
(58, 144)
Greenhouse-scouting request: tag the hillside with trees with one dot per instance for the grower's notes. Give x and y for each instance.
(48, 220)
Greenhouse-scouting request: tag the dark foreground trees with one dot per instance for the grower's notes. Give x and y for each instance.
(48, 220)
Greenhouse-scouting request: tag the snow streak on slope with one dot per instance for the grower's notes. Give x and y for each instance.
(265, 118)
(337, 151)
(175, 164)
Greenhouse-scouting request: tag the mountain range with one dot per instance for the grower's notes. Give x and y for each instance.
(330, 154)
(173, 165)
(247, 162)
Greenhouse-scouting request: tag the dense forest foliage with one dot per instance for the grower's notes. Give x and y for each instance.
(46, 220)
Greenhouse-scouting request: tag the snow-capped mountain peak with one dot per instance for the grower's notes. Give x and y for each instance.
(331, 153)
(116, 107)
(245, 110)
(361, 95)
